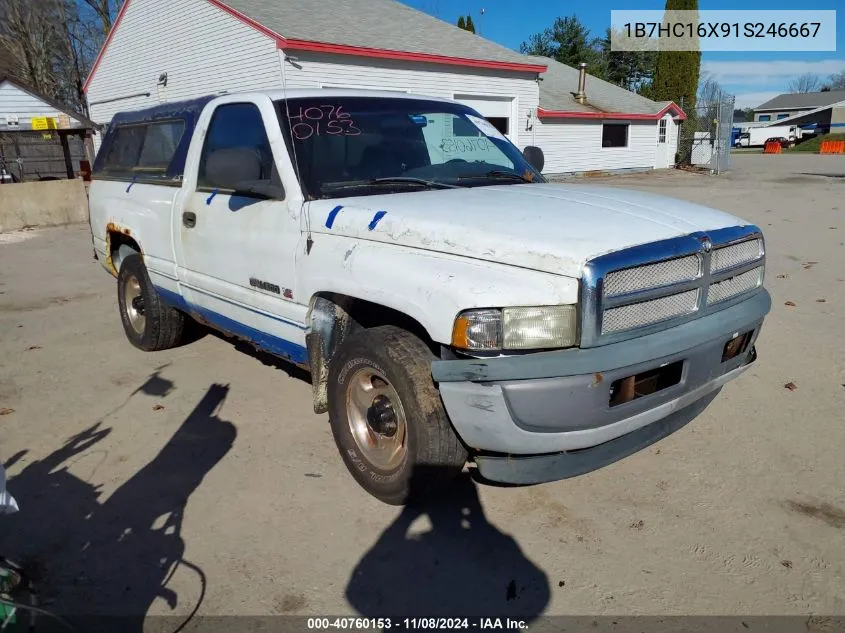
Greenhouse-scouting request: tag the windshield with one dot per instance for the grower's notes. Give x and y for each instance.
(351, 146)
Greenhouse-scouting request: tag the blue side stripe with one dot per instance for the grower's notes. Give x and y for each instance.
(262, 340)
(245, 307)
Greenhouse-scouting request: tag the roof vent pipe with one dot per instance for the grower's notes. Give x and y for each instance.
(581, 96)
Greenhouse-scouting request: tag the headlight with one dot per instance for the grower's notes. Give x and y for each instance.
(516, 329)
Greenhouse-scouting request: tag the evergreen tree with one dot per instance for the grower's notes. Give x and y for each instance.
(469, 25)
(568, 41)
(676, 73)
(461, 23)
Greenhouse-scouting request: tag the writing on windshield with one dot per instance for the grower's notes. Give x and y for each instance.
(369, 145)
(322, 119)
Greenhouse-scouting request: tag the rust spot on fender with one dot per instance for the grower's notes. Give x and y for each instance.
(598, 378)
(112, 228)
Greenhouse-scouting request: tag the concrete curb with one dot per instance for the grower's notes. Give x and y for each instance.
(47, 203)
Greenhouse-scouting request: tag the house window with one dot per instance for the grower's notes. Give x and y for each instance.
(499, 122)
(783, 116)
(661, 132)
(614, 135)
(764, 117)
(464, 127)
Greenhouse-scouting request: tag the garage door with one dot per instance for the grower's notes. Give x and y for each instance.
(497, 110)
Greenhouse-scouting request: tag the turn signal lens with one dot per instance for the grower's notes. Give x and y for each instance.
(478, 330)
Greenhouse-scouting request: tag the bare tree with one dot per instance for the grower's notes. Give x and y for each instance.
(79, 39)
(835, 82)
(49, 45)
(106, 11)
(808, 82)
(28, 35)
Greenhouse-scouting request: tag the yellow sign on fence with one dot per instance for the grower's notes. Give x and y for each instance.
(43, 123)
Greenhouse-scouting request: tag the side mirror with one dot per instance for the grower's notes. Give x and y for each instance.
(535, 157)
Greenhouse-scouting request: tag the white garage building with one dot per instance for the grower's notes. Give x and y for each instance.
(169, 50)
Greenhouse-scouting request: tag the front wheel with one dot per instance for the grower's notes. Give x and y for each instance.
(387, 417)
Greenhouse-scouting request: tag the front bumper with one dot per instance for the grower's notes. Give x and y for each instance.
(560, 401)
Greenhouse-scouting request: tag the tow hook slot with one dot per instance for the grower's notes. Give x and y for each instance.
(645, 383)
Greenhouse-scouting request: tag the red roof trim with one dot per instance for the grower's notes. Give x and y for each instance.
(559, 114)
(383, 53)
(102, 52)
(339, 49)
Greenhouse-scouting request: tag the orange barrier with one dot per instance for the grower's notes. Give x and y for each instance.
(832, 147)
(773, 147)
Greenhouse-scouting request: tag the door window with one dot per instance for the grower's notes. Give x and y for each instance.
(236, 157)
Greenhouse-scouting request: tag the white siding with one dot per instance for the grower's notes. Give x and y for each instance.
(572, 146)
(203, 50)
(17, 102)
(318, 70)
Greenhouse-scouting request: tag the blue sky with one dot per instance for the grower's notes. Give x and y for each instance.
(752, 77)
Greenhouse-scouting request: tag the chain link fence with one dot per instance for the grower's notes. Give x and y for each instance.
(705, 135)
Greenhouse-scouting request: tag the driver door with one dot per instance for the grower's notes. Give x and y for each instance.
(238, 232)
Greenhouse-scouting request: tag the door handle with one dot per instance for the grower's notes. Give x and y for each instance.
(189, 219)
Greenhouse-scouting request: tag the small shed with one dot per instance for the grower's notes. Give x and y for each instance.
(41, 139)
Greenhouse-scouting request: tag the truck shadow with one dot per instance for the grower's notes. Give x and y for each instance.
(460, 565)
(91, 558)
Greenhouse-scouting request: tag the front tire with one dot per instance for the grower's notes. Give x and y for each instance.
(387, 418)
(149, 323)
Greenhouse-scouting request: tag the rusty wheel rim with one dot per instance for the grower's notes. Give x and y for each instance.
(376, 419)
(133, 300)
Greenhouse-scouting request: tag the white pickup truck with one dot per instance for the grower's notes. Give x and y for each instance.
(450, 304)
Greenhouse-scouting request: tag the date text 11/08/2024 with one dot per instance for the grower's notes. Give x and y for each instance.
(428, 624)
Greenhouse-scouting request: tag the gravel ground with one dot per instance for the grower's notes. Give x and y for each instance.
(125, 463)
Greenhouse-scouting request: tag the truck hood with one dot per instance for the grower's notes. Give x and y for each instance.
(547, 227)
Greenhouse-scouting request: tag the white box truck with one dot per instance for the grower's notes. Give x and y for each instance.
(756, 136)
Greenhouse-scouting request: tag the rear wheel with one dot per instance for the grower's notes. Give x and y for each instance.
(387, 417)
(149, 323)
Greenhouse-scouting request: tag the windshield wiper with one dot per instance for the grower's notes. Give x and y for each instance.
(497, 174)
(389, 180)
(409, 179)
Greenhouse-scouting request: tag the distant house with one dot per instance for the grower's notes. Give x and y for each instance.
(166, 50)
(606, 128)
(40, 137)
(821, 110)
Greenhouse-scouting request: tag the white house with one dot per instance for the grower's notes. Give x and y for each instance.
(167, 50)
(39, 137)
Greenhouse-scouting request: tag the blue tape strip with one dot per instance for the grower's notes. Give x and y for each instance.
(211, 197)
(376, 219)
(134, 178)
(332, 215)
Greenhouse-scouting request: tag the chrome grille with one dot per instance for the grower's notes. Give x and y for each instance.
(664, 273)
(734, 286)
(736, 255)
(643, 289)
(646, 312)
